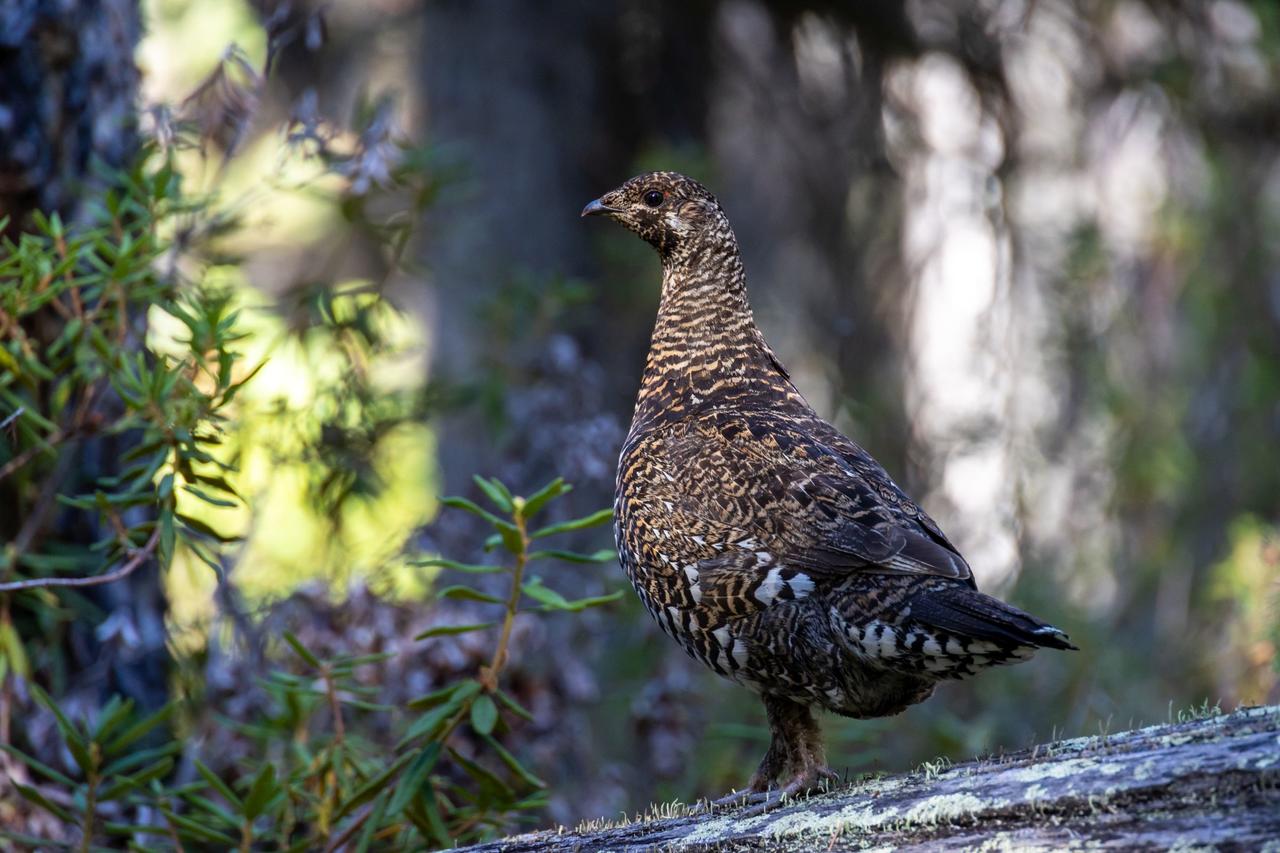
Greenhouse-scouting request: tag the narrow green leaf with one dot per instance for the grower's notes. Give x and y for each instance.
(448, 630)
(473, 508)
(14, 652)
(511, 538)
(373, 824)
(74, 739)
(301, 650)
(45, 564)
(429, 722)
(375, 707)
(466, 593)
(535, 502)
(208, 498)
(603, 516)
(31, 842)
(193, 829)
(516, 708)
(263, 790)
(201, 527)
(168, 535)
(579, 604)
(38, 766)
(153, 445)
(533, 802)
(361, 660)
(218, 785)
(510, 760)
(552, 600)
(112, 827)
(113, 714)
(604, 555)
(414, 777)
(373, 787)
(217, 482)
(139, 729)
(205, 557)
(545, 595)
(436, 697)
(134, 759)
(502, 487)
(209, 807)
(490, 782)
(30, 793)
(125, 784)
(435, 827)
(484, 714)
(454, 565)
(497, 494)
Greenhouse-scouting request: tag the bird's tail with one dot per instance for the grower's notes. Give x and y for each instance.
(943, 629)
(975, 615)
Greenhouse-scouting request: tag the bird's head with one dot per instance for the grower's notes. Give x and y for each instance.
(670, 211)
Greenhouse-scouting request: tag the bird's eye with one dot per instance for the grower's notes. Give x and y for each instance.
(653, 198)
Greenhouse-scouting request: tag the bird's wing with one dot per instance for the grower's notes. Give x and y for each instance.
(874, 474)
(820, 502)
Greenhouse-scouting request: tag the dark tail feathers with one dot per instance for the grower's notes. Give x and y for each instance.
(974, 614)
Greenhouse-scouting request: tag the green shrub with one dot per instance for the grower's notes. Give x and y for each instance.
(450, 778)
(333, 763)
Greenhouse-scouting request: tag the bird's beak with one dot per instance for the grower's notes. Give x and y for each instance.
(598, 206)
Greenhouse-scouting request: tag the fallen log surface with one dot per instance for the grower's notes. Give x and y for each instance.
(1203, 784)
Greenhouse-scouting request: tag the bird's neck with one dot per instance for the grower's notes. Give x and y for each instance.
(706, 351)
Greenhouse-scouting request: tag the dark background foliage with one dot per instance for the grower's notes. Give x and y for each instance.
(1027, 253)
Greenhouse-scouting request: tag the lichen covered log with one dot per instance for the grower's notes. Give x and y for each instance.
(1211, 783)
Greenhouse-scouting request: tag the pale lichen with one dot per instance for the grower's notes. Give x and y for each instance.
(943, 807)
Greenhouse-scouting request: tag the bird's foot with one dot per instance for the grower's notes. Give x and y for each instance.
(815, 777)
(745, 797)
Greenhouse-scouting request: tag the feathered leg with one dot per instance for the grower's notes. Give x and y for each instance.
(795, 759)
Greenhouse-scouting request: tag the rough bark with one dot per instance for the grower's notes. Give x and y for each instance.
(68, 89)
(1212, 783)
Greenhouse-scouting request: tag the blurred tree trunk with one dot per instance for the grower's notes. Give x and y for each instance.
(524, 100)
(68, 89)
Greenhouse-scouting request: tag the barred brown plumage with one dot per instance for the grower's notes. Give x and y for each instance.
(771, 547)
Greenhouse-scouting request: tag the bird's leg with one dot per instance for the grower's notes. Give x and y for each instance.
(809, 769)
(776, 759)
(795, 728)
(795, 758)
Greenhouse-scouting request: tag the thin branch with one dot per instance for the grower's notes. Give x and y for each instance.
(56, 438)
(345, 836)
(44, 502)
(137, 559)
(17, 414)
(489, 674)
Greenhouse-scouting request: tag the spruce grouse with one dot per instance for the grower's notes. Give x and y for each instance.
(774, 549)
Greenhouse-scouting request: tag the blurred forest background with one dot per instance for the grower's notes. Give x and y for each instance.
(1026, 253)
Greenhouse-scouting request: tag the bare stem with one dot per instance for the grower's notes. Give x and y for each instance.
(138, 557)
(489, 676)
(27, 455)
(350, 830)
(335, 705)
(91, 804)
